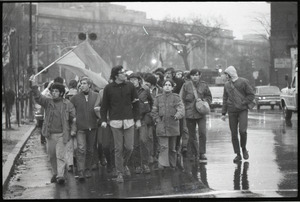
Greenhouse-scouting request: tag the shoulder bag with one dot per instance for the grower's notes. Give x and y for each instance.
(201, 106)
(249, 105)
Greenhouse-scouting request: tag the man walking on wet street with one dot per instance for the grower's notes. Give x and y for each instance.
(237, 110)
(86, 121)
(120, 100)
(59, 126)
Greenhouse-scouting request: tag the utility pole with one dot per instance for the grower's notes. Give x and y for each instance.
(30, 62)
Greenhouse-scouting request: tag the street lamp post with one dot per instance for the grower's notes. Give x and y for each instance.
(216, 59)
(205, 45)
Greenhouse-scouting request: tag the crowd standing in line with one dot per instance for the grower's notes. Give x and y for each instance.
(138, 121)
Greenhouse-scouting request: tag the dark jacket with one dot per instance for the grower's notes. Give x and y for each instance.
(189, 100)
(165, 107)
(120, 101)
(146, 102)
(86, 117)
(68, 114)
(244, 87)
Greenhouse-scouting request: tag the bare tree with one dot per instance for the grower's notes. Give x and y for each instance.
(173, 33)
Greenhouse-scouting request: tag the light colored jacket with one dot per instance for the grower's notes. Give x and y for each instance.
(165, 107)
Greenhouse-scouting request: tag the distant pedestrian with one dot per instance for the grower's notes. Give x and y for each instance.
(193, 117)
(22, 97)
(120, 101)
(10, 100)
(86, 122)
(237, 110)
(59, 126)
(166, 112)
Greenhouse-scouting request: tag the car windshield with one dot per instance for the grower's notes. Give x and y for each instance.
(269, 90)
(216, 91)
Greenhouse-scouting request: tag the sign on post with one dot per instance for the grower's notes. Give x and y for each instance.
(282, 63)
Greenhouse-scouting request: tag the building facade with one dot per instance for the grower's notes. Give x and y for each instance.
(284, 41)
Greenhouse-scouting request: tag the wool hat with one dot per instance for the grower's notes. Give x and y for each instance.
(135, 75)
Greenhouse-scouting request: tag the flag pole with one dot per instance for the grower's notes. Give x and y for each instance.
(54, 62)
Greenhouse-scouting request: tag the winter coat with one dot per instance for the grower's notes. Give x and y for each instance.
(165, 107)
(189, 100)
(145, 104)
(68, 114)
(231, 104)
(86, 117)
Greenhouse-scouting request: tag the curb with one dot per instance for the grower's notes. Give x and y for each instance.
(12, 157)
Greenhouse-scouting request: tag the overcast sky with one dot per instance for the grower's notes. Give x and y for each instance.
(237, 16)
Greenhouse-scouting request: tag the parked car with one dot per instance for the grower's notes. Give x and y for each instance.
(217, 96)
(267, 95)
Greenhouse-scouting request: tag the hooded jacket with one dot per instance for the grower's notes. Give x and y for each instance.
(231, 103)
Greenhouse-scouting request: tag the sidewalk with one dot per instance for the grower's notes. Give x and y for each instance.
(13, 141)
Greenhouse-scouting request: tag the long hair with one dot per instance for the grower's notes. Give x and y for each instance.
(115, 71)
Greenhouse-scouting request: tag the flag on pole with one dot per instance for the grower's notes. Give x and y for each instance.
(6, 46)
(84, 60)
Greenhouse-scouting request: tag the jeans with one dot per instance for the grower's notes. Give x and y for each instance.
(105, 137)
(56, 151)
(241, 119)
(143, 145)
(197, 148)
(184, 135)
(123, 139)
(167, 152)
(85, 148)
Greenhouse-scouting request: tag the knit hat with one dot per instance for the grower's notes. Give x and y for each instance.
(151, 79)
(135, 75)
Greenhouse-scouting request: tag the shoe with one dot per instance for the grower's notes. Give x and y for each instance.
(95, 166)
(146, 169)
(184, 151)
(88, 173)
(103, 161)
(120, 178)
(60, 180)
(159, 167)
(138, 170)
(70, 168)
(245, 154)
(53, 179)
(81, 175)
(202, 157)
(237, 159)
(126, 171)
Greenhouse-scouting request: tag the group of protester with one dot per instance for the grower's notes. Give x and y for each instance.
(136, 120)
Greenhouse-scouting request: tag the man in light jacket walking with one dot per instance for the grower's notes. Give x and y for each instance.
(237, 110)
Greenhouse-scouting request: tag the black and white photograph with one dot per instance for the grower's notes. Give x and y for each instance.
(182, 100)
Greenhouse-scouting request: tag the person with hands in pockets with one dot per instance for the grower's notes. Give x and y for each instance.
(166, 112)
(58, 127)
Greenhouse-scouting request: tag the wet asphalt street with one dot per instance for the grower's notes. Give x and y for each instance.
(271, 170)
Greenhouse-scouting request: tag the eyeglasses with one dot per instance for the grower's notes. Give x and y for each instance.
(121, 72)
